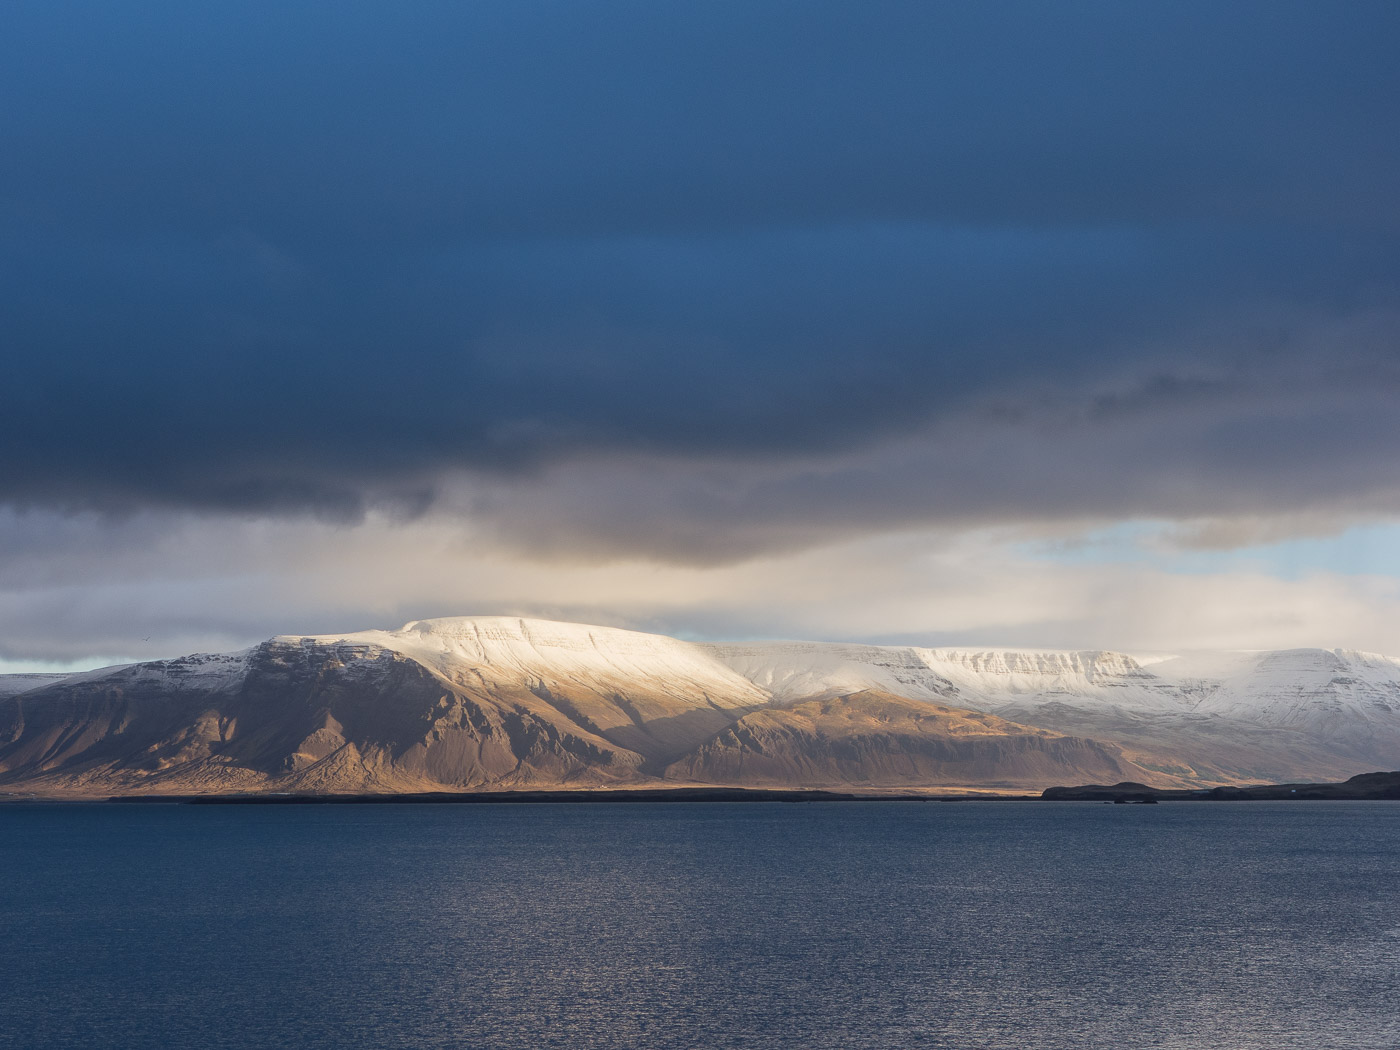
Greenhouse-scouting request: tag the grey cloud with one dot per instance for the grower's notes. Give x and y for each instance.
(1288, 438)
(284, 260)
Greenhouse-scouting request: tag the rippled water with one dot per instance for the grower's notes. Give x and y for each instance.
(1025, 925)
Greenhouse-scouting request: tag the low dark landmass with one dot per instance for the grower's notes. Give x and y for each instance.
(1363, 786)
(1124, 792)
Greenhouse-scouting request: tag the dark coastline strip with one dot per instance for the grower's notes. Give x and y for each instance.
(554, 797)
(1378, 786)
(1364, 786)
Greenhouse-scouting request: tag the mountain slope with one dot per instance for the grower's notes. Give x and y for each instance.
(873, 739)
(292, 716)
(646, 693)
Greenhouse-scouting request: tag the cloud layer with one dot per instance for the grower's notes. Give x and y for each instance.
(263, 259)
(698, 284)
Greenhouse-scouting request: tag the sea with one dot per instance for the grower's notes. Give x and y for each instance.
(1016, 925)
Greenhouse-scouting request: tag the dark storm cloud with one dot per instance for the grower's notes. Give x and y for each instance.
(298, 258)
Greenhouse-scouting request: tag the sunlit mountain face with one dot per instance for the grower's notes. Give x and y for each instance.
(958, 328)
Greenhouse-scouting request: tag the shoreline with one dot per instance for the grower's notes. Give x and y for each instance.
(1379, 786)
(527, 797)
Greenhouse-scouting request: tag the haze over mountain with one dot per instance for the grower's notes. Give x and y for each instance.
(497, 702)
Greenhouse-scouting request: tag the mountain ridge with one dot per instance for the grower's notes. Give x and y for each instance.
(505, 702)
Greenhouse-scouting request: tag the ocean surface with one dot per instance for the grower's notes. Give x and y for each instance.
(766, 925)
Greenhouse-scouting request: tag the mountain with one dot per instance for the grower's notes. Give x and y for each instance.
(495, 702)
(1214, 717)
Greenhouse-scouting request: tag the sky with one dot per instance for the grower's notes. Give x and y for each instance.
(1070, 325)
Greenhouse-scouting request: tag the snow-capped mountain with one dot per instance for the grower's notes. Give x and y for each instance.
(1223, 715)
(475, 702)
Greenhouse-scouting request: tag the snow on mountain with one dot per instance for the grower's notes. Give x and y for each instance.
(1333, 692)
(795, 670)
(14, 684)
(790, 671)
(198, 670)
(509, 651)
